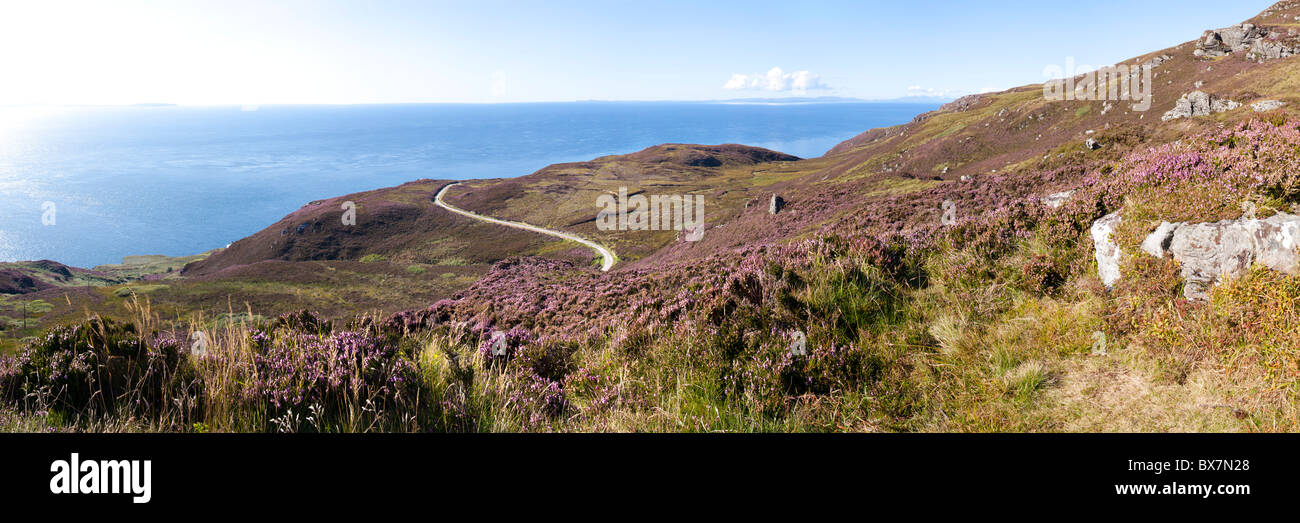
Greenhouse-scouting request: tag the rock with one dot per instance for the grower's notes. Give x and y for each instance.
(1276, 238)
(1105, 249)
(1055, 200)
(1268, 50)
(1155, 62)
(1092, 144)
(1256, 42)
(1239, 38)
(1266, 105)
(1210, 252)
(1157, 242)
(1199, 103)
(775, 205)
(962, 104)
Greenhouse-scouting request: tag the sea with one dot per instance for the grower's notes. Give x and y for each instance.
(89, 185)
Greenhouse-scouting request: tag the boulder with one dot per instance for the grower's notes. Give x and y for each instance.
(1269, 50)
(1055, 200)
(1275, 240)
(1106, 250)
(1199, 103)
(1258, 43)
(1266, 105)
(1211, 252)
(1219, 42)
(1155, 62)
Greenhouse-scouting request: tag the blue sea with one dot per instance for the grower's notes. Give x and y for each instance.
(88, 185)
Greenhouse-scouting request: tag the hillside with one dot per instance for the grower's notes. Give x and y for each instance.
(1005, 263)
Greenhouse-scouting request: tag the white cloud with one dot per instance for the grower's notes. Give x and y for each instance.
(916, 90)
(498, 83)
(737, 81)
(776, 80)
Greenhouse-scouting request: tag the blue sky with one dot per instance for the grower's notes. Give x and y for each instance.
(263, 52)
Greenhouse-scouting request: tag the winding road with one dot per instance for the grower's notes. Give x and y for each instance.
(606, 255)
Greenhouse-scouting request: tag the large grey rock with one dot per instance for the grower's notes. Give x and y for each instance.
(1212, 252)
(1275, 242)
(1105, 249)
(1258, 43)
(1219, 42)
(1267, 105)
(1269, 50)
(1209, 252)
(1199, 103)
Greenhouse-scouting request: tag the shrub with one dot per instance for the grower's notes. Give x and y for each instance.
(101, 367)
(335, 376)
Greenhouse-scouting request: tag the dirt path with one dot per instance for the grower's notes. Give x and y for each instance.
(606, 255)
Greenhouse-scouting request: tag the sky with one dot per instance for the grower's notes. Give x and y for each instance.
(349, 52)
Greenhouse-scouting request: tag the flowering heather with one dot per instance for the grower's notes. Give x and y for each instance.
(601, 395)
(296, 370)
(96, 366)
(538, 399)
(513, 341)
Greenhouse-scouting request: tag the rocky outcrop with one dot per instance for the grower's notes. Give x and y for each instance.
(1105, 249)
(1236, 39)
(1199, 103)
(1270, 49)
(1267, 105)
(963, 103)
(1158, 60)
(1256, 42)
(1208, 252)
